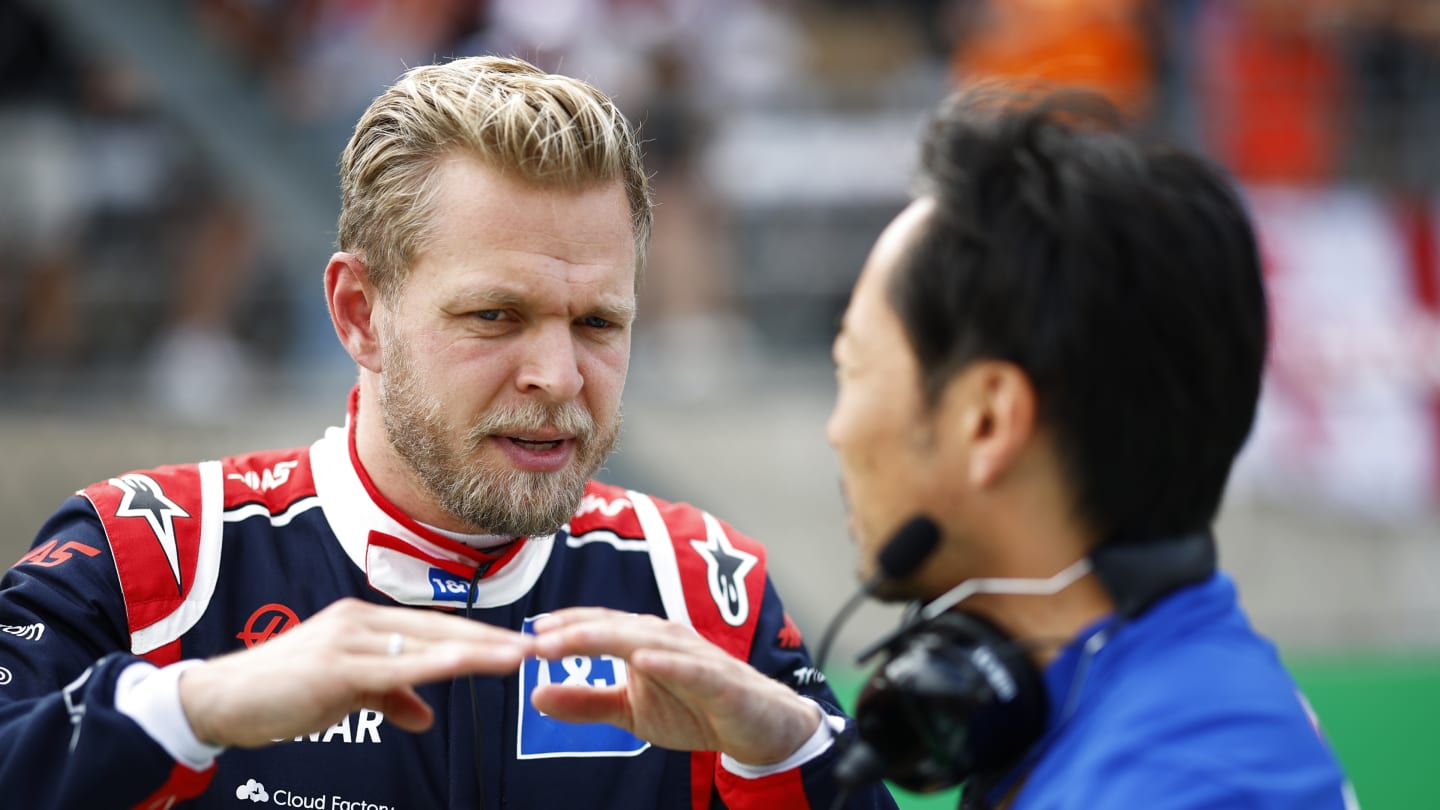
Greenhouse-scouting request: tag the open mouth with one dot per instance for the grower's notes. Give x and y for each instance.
(536, 446)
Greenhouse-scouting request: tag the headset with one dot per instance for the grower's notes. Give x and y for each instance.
(957, 698)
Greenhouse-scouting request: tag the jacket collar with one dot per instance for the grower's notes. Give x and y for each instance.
(402, 558)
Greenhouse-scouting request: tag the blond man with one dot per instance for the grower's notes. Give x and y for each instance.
(433, 605)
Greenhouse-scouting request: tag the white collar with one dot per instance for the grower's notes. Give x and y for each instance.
(403, 564)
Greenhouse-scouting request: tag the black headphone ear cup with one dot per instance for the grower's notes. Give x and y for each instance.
(954, 697)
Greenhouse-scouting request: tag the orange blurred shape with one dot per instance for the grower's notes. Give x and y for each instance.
(1097, 45)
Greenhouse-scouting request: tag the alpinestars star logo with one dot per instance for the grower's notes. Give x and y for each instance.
(142, 497)
(726, 567)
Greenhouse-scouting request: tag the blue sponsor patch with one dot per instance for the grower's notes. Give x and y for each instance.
(542, 736)
(448, 587)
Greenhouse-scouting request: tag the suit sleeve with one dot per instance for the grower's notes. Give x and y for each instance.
(64, 644)
(779, 651)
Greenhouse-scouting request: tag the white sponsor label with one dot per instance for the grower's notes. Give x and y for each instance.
(31, 632)
(254, 791)
(366, 729)
(273, 478)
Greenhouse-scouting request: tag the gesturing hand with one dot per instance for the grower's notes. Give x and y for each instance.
(350, 655)
(682, 692)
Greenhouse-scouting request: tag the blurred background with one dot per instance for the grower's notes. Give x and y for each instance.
(168, 198)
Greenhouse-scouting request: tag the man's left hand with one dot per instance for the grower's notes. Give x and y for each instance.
(683, 692)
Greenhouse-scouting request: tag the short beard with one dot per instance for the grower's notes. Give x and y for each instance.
(493, 499)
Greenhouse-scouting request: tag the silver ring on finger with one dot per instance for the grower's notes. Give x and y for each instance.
(395, 645)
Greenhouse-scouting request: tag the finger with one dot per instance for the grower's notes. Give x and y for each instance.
(356, 620)
(370, 675)
(441, 627)
(583, 704)
(361, 628)
(421, 625)
(620, 636)
(720, 687)
(677, 667)
(575, 615)
(381, 673)
(405, 708)
(690, 677)
(756, 719)
(394, 643)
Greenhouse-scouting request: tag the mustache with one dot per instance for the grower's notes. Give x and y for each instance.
(564, 417)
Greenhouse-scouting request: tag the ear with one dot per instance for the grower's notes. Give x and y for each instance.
(992, 404)
(354, 302)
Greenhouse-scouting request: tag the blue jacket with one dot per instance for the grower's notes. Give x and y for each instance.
(195, 561)
(1182, 708)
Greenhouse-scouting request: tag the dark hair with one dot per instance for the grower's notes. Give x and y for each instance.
(1123, 279)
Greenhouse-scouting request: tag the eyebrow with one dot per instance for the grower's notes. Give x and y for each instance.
(494, 295)
(619, 310)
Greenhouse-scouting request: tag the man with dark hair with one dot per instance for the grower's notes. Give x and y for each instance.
(1052, 357)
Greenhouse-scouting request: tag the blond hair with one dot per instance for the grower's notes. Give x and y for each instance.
(554, 131)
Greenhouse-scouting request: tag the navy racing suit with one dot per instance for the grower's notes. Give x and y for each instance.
(171, 565)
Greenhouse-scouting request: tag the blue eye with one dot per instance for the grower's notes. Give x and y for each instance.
(596, 322)
(490, 314)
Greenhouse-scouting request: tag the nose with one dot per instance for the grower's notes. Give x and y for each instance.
(551, 364)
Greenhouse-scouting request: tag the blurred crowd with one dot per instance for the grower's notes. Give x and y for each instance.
(127, 246)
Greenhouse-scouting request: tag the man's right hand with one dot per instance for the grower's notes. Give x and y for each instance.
(342, 659)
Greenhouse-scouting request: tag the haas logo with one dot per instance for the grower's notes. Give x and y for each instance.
(266, 623)
(271, 478)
